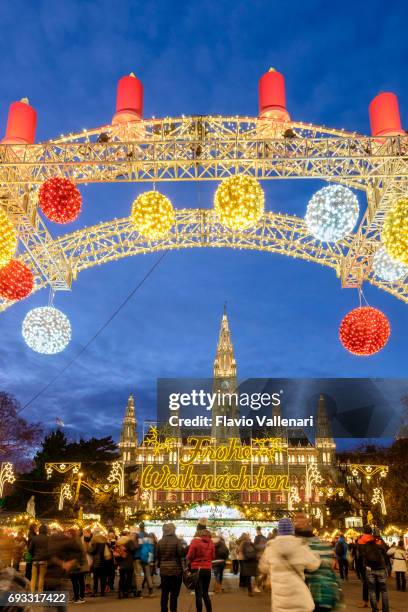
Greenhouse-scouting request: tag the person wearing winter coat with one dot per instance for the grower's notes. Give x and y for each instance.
(170, 554)
(259, 542)
(101, 554)
(80, 568)
(341, 550)
(38, 549)
(221, 556)
(146, 556)
(285, 559)
(111, 569)
(234, 556)
(200, 556)
(322, 583)
(20, 544)
(240, 557)
(374, 558)
(249, 562)
(399, 564)
(32, 531)
(123, 555)
(64, 553)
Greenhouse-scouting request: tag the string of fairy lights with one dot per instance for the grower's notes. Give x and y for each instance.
(239, 203)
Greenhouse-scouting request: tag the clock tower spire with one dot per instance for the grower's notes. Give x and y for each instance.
(225, 384)
(128, 436)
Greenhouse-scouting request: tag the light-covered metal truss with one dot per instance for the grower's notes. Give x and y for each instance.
(283, 234)
(203, 149)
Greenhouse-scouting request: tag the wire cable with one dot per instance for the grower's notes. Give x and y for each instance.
(98, 332)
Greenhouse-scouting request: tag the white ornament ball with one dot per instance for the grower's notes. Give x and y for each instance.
(387, 268)
(46, 330)
(332, 213)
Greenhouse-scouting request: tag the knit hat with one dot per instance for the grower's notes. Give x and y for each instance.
(285, 527)
(202, 524)
(169, 529)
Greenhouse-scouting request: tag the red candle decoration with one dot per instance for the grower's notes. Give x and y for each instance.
(364, 331)
(16, 281)
(60, 200)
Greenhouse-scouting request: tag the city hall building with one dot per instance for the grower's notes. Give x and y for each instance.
(226, 465)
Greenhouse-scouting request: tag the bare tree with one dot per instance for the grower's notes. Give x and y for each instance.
(18, 438)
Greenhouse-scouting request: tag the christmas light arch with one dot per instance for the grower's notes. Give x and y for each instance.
(269, 146)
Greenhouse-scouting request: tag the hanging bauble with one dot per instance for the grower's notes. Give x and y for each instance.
(152, 215)
(332, 213)
(60, 200)
(395, 231)
(239, 202)
(387, 268)
(16, 281)
(364, 331)
(46, 330)
(8, 238)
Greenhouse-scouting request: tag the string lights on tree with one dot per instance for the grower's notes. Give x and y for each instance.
(395, 231)
(8, 239)
(152, 215)
(388, 269)
(378, 498)
(60, 200)
(332, 213)
(364, 331)
(16, 280)
(239, 202)
(46, 330)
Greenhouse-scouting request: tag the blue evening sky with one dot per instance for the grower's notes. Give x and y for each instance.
(194, 58)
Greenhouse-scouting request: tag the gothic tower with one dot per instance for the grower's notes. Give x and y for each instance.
(324, 441)
(128, 436)
(225, 383)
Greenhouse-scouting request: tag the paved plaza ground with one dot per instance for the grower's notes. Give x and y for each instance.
(232, 599)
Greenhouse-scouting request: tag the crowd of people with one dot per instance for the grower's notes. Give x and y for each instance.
(295, 565)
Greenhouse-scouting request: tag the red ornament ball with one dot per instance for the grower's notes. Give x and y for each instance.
(60, 200)
(364, 331)
(16, 280)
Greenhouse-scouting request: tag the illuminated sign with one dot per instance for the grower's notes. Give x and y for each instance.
(164, 479)
(91, 517)
(203, 450)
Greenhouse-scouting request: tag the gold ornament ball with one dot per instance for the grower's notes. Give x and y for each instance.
(8, 239)
(395, 231)
(239, 202)
(152, 215)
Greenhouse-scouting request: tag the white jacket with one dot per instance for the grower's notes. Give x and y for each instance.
(285, 559)
(399, 562)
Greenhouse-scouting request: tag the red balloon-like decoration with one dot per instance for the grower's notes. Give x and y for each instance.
(60, 200)
(16, 281)
(364, 331)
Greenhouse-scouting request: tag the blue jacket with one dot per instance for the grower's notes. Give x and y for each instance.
(344, 547)
(145, 550)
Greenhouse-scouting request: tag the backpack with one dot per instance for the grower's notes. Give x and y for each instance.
(374, 556)
(146, 552)
(221, 551)
(340, 549)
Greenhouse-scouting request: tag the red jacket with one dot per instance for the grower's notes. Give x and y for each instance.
(201, 553)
